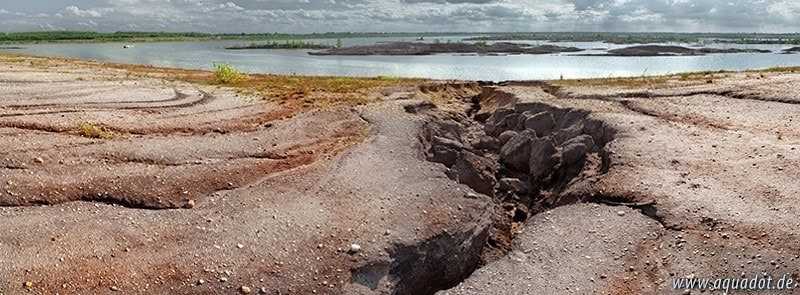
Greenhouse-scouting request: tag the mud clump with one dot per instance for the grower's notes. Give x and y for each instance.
(522, 155)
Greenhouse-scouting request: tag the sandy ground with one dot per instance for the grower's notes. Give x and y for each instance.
(202, 190)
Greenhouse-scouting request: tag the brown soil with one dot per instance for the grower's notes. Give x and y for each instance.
(112, 183)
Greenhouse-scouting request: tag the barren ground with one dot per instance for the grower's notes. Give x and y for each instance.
(196, 189)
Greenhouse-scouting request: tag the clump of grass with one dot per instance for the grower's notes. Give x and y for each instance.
(228, 74)
(91, 130)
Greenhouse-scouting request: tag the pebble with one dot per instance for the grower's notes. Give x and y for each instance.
(245, 290)
(240, 246)
(201, 281)
(355, 248)
(38, 160)
(621, 213)
(190, 204)
(223, 279)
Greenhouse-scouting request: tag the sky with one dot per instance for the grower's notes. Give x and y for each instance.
(307, 16)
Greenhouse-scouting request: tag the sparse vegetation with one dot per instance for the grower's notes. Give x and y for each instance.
(228, 74)
(293, 44)
(89, 129)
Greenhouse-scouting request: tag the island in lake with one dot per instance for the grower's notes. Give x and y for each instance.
(664, 50)
(791, 50)
(284, 45)
(409, 48)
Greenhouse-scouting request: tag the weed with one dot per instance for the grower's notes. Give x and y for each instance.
(228, 74)
(91, 130)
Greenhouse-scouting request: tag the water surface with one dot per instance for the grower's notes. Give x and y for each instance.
(200, 55)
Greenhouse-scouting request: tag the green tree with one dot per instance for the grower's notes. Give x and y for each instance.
(338, 42)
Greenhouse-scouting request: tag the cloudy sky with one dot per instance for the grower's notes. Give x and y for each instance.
(305, 16)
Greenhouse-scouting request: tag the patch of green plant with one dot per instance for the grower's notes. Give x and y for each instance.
(91, 130)
(228, 74)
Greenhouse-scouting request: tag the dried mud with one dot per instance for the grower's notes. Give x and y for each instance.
(450, 187)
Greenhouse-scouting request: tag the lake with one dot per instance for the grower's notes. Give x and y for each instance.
(200, 55)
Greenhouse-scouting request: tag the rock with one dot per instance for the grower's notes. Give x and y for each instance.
(572, 117)
(568, 133)
(444, 155)
(512, 120)
(447, 142)
(189, 204)
(476, 172)
(354, 248)
(575, 150)
(245, 290)
(444, 150)
(499, 116)
(599, 132)
(543, 158)
(621, 213)
(516, 152)
(542, 123)
(38, 160)
(485, 142)
(514, 185)
(504, 137)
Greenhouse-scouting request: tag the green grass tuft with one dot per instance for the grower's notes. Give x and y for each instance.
(228, 74)
(91, 130)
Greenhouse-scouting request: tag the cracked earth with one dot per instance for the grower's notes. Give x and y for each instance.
(448, 187)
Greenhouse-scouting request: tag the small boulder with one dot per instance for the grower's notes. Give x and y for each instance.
(542, 123)
(572, 117)
(568, 133)
(575, 150)
(506, 136)
(476, 172)
(447, 142)
(485, 142)
(516, 152)
(444, 150)
(497, 123)
(543, 158)
(444, 155)
(512, 120)
(499, 116)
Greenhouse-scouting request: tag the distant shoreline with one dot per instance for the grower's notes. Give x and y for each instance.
(606, 37)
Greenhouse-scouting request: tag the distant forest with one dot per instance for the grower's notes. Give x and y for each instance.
(77, 36)
(608, 37)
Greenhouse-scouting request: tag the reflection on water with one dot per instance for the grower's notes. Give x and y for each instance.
(200, 55)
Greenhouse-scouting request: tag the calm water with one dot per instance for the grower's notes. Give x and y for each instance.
(200, 55)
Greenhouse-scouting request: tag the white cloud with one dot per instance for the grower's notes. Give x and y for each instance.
(298, 16)
(81, 13)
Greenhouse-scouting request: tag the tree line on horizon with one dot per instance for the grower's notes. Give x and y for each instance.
(608, 37)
